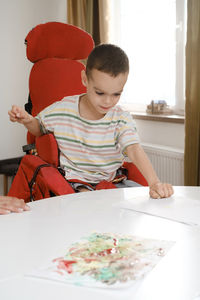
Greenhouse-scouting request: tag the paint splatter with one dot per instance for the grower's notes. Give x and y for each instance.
(109, 259)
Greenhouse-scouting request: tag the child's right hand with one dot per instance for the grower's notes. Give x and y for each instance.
(18, 114)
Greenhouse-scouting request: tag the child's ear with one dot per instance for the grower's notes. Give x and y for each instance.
(84, 78)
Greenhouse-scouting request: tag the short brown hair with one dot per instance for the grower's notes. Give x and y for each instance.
(107, 58)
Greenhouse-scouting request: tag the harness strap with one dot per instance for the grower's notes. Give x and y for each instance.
(33, 180)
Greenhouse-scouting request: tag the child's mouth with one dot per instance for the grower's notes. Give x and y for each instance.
(105, 108)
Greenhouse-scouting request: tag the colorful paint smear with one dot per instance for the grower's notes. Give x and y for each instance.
(105, 259)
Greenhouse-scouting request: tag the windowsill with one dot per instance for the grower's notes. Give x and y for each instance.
(160, 118)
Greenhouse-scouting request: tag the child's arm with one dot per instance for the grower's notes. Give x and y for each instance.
(18, 114)
(140, 159)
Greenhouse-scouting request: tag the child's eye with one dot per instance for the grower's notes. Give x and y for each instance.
(99, 93)
(117, 94)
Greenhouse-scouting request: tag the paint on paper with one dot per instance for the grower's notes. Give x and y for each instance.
(107, 260)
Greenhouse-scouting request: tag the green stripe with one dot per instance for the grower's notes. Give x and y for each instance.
(99, 165)
(84, 121)
(84, 144)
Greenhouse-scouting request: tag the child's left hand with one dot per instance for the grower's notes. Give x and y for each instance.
(161, 190)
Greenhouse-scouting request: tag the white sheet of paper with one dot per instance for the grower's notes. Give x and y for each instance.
(177, 208)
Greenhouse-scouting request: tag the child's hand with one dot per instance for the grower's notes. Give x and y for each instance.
(161, 190)
(18, 114)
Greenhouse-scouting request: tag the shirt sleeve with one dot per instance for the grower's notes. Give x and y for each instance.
(46, 118)
(127, 132)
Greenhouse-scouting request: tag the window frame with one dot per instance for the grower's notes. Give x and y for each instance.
(181, 23)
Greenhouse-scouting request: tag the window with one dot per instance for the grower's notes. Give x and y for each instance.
(152, 32)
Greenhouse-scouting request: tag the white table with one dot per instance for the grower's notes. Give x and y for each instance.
(30, 239)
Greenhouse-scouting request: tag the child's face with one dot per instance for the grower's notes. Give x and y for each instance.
(103, 90)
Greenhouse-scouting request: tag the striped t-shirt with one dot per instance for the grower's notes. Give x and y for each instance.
(90, 150)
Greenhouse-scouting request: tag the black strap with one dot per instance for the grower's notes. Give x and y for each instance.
(28, 106)
(33, 180)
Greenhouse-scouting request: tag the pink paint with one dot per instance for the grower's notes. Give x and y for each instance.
(106, 252)
(57, 259)
(115, 242)
(66, 265)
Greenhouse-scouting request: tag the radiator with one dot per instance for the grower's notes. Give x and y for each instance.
(168, 163)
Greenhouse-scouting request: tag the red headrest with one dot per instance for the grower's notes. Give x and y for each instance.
(55, 49)
(55, 39)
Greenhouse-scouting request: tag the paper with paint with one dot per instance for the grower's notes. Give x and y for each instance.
(176, 208)
(106, 260)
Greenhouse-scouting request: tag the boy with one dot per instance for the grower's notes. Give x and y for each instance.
(93, 134)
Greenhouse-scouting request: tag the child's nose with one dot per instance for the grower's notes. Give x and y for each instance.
(108, 100)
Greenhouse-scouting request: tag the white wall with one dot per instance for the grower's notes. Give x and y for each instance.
(161, 133)
(17, 18)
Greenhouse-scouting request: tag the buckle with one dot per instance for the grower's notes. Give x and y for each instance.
(119, 178)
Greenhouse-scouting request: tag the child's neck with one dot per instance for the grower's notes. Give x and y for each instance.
(86, 111)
